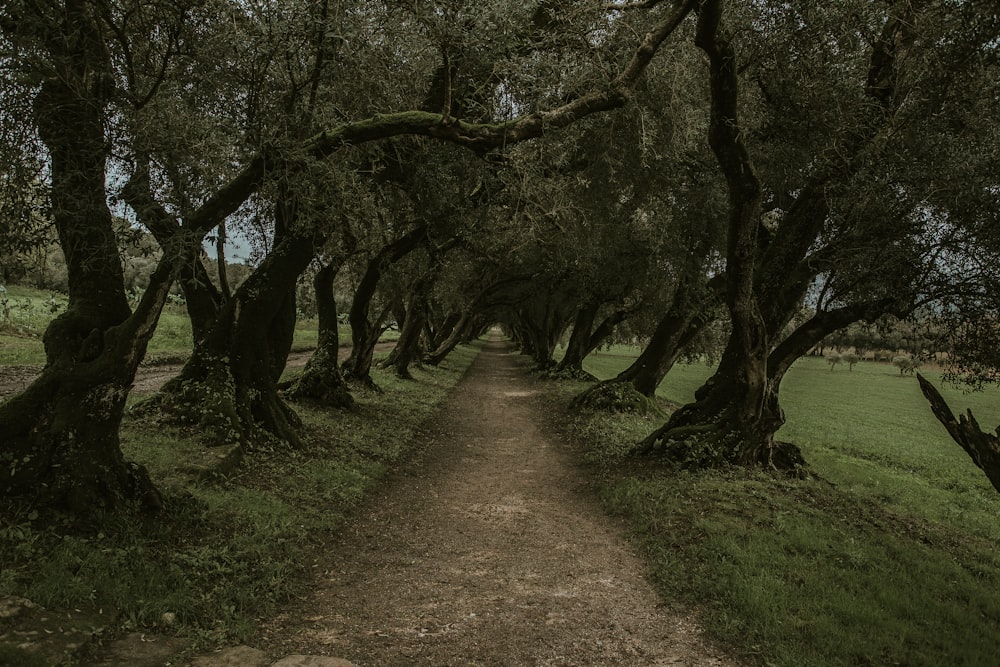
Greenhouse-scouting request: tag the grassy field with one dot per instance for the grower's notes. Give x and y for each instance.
(29, 311)
(889, 555)
(228, 549)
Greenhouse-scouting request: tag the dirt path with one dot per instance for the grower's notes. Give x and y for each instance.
(148, 379)
(489, 550)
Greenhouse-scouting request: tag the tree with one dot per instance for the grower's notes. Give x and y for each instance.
(833, 359)
(61, 434)
(905, 365)
(851, 359)
(819, 183)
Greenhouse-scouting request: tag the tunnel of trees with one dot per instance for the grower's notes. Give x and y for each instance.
(737, 178)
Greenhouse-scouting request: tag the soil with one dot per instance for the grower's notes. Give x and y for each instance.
(148, 379)
(488, 549)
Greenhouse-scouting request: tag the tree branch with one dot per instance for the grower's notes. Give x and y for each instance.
(983, 448)
(479, 137)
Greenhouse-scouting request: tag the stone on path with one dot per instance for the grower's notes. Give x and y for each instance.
(139, 649)
(312, 661)
(234, 656)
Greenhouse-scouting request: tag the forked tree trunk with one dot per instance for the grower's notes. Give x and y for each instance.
(364, 331)
(436, 333)
(60, 446)
(229, 386)
(407, 349)
(458, 332)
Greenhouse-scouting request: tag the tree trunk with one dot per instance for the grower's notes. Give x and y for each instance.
(736, 420)
(541, 347)
(691, 310)
(61, 446)
(407, 348)
(229, 386)
(674, 331)
(436, 334)
(606, 328)
(321, 380)
(458, 332)
(579, 341)
(364, 332)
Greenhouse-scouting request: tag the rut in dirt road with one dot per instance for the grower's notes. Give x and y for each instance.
(490, 550)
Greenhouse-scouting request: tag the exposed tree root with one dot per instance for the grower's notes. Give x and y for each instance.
(221, 413)
(567, 373)
(326, 389)
(614, 396)
(717, 445)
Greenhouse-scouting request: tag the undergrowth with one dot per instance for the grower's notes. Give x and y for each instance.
(226, 550)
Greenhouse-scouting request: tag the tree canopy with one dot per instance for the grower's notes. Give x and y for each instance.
(782, 170)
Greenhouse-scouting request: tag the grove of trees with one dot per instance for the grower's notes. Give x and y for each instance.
(757, 174)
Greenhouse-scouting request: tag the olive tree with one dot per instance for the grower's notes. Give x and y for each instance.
(848, 191)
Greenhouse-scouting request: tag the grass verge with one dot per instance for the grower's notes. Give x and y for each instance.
(227, 550)
(891, 558)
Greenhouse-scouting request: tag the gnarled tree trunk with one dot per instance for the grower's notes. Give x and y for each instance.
(364, 331)
(736, 413)
(740, 427)
(60, 445)
(321, 380)
(229, 386)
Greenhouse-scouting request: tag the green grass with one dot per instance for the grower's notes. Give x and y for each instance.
(227, 550)
(23, 318)
(890, 557)
(30, 311)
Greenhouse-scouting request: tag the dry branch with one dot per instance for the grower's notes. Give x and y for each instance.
(984, 448)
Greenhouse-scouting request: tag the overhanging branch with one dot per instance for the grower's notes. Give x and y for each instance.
(480, 137)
